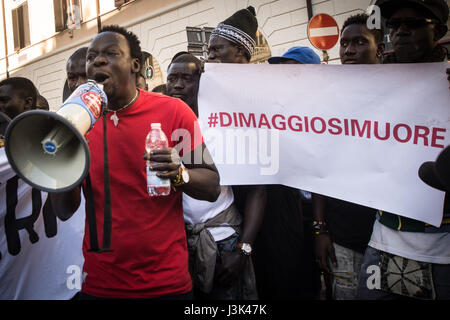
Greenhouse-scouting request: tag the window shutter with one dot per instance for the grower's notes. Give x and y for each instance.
(60, 10)
(25, 25)
(15, 21)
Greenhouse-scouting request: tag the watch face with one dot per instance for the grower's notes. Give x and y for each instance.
(185, 176)
(246, 248)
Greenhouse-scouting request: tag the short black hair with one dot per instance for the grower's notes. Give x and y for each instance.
(132, 39)
(187, 57)
(78, 54)
(361, 18)
(23, 86)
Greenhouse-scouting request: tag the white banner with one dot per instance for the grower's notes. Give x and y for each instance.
(357, 133)
(40, 256)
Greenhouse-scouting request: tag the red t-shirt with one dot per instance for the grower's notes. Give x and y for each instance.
(149, 257)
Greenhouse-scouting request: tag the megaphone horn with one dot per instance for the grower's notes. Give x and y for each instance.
(48, 149)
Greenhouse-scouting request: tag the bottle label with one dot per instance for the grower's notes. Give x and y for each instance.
(154, 180)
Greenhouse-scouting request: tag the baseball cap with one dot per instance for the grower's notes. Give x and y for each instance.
(301, 54)
(437, 173)
(438, 8)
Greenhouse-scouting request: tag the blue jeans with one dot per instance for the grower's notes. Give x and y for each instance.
(227, 244)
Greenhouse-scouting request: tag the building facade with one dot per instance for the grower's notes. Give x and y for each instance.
(38, 36)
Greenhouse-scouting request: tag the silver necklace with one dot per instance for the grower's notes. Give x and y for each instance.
(114, 116)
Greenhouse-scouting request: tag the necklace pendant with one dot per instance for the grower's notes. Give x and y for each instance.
(115, 119)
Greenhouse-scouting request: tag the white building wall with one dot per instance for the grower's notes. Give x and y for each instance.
(163, 33)
(282, 22)
(42, 21)
(49, 75)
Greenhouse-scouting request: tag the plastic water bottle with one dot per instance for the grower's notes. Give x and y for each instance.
(156, 139)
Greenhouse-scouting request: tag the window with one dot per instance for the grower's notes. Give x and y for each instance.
(21, 26)
(198, 39)
(60, 9)
(67, 14)
(73, 14)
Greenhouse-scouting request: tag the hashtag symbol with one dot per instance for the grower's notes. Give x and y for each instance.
(213, 120)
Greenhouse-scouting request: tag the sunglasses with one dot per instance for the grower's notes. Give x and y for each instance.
(410, 23)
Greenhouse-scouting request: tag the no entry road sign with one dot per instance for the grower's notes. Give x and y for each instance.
(323, 31)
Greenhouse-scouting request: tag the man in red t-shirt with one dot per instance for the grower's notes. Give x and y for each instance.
(149, 251)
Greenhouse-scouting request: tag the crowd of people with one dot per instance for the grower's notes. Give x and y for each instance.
(206, 241)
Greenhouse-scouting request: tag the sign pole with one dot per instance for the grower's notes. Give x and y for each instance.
(326, 57)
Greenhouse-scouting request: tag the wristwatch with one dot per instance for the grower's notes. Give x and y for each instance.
(182, 176)
(246, 248)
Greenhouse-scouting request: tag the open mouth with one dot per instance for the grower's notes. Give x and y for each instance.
(101, 77)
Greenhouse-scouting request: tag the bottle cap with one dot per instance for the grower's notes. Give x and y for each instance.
(156, 125)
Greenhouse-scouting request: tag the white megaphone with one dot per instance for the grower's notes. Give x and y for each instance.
(48, 149)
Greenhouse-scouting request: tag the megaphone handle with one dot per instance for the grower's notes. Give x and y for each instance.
(107, 219)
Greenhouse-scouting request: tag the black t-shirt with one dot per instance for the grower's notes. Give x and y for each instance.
(350, 225)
